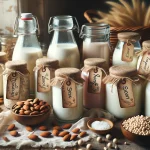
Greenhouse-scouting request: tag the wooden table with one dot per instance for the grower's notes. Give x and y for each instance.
(116, 133)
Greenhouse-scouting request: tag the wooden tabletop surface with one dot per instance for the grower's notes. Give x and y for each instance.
(116, 133)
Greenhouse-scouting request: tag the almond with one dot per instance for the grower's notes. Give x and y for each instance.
(33, 137)
(41, 103)
(27, 112)
(20, 103)
(21, 112)
(43, 128)
(66, 126)
(82, 134)
(13, 133)
(34, 113)
(35, 100)
(26, 107)
(66, 137)
(43, 107)
(31, 108)
(37, 107)
(45, 134)
(28, 128)
(5, 139)
(55, 132)
(73, 137)
(76, 130)
(11, 127)
(27, 103)
(63, 133)
(57, 128)
(29, 100)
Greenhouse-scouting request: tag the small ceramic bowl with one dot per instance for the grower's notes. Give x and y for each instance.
(100, 131)
(138, 139)
(31, 119)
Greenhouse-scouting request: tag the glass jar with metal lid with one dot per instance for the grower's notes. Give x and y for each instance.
(96, 41)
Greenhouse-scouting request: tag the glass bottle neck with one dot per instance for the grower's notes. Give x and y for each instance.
(63, 37)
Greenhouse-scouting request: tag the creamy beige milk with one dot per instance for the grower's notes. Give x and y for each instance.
(147, 100)
(67, 54)
(30, 55)
(96, 50)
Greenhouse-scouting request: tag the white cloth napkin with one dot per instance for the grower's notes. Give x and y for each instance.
(52, 142)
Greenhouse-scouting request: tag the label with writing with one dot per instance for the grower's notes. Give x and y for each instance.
(128, 52)
(69, 96)
(144, 68)
(94, 81)
(43, 80)
(13, 86)
(125, 93)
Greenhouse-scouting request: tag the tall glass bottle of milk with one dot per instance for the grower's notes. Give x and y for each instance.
(27, 47)
(63, 46)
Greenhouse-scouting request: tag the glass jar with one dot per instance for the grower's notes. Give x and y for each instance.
(44, 72)
(94, 89)
(127, 41)
(16, 85)
(63, 46)
(7, 44)
(147, 99)
(123, 92)
(67, 94)
(3, 60)
(27, 47)
(96, 41)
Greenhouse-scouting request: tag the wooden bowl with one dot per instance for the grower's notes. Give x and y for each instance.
(31, 119)
(138, 139)
(100, 131)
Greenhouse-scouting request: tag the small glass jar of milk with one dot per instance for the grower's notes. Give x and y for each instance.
(96, 41)
(27, 47)
(63, 46)
(3, 60)
(67, 94)
(16, 82)
(123, 91)
(93, 72)
(124, 53)
(44, 72)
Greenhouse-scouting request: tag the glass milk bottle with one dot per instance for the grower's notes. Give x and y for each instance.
(63, 46)
(16, 82)
(3, 60)
(123, 92)
(124, 53)
(44, 72)
(147, 99)
(27, 47)
(67, 94)
(93, 73)
(96, 41)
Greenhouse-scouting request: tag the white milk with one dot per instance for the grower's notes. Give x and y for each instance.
(117, 58)
(147, 100)
(66, 54)
(113, 105)
(30, 55)
(1, 81)
(96, 50)
(67, 114)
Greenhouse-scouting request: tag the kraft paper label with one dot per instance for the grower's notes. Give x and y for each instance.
(144, 67)
(43, 80)
(94, 81)
(125, 93)
(128, 52)
(69, 97)
(13, 86)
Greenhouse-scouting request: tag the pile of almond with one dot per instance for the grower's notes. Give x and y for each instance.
(31, 107)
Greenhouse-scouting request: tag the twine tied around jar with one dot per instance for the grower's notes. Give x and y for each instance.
(143, 51)
(38, 67)
(60, 80)
(89, 68)
(114, 80)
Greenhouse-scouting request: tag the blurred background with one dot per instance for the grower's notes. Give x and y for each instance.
(44, 9)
